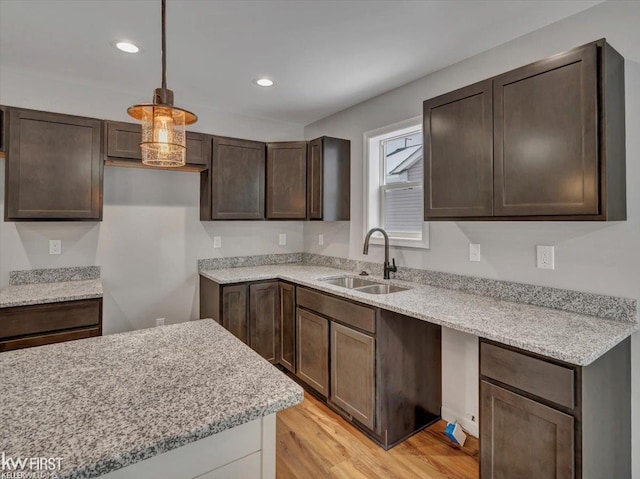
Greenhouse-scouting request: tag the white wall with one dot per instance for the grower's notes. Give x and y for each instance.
(597, 257)
(151, 234)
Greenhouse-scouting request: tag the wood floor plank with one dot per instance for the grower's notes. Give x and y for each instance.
(315, 442)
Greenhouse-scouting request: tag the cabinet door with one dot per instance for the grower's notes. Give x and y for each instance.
(123, 140)
(546, 142)
(314, 180)
(352, 373)
(264, 321)
(287, 180)
(329, 179)
(523, 438)
(234, 311)
(288, 326)
(237, 179)
(458, 167)
(312, 341)
(198, 149)
(54, 166)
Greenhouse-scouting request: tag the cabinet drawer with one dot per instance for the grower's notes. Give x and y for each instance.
(349, 313)
(546, 380)
(41, 318)
(48, 338)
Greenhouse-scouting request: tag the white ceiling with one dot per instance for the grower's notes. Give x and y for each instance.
(325, 55)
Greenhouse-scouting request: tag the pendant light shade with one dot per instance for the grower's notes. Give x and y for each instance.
(164, 142)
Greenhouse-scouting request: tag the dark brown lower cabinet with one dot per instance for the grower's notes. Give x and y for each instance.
(380, 370)
(524, 438)
(288, 326)
(36, 325)
(385, 368)
(234, 311)
(545, 419)
(353, 373)
(250, 311)
(312, 338)
(264, 320)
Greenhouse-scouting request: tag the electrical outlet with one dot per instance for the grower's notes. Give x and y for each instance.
(545, 257)
(217, 242)
(55, 247)
(474, 252)
(320, 239)
(159, 322)
(283, 239)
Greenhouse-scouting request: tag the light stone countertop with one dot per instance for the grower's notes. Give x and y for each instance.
(574, 338)
(41, 293)
(107, 402)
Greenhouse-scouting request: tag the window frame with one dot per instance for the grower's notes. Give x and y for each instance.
(374, 188)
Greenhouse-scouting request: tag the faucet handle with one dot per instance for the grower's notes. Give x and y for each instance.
(393, 268)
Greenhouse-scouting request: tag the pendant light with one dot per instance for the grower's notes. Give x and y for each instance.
(163, 125)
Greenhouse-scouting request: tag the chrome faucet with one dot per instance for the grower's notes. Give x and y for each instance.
(388, 267)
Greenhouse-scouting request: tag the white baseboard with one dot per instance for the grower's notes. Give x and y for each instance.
(469, 426)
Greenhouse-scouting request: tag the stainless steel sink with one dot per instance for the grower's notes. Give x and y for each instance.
(381, 289)
(363, 285)
(349, 282)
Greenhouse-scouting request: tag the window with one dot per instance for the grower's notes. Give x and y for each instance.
(393, 192)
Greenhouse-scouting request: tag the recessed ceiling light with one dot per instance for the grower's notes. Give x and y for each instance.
(127, 47)
(263, 82)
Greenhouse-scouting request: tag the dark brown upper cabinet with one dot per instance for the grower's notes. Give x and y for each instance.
(233, 188)
(458, 147)
(329, 179)
(556, 142)
(546, 137)
(53, 167)
(123, 147)
(287, 180)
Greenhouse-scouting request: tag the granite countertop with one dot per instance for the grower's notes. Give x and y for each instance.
(40, 293)
(574, 338)
(107, 402)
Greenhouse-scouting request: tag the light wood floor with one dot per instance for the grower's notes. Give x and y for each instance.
(313, 442)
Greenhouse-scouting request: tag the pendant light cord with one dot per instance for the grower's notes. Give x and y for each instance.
(164, 45)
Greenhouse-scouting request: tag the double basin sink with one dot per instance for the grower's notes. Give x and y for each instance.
(363, 285)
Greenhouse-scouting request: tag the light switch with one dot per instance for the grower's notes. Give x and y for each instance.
(545, 257)
(320, 239)
(217, 242)
(283, 239)
(55, 247)
(474, 252)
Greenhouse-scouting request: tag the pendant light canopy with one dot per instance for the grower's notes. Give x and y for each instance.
(164, 141)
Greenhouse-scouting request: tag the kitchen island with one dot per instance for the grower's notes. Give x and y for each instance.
(177, 401)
